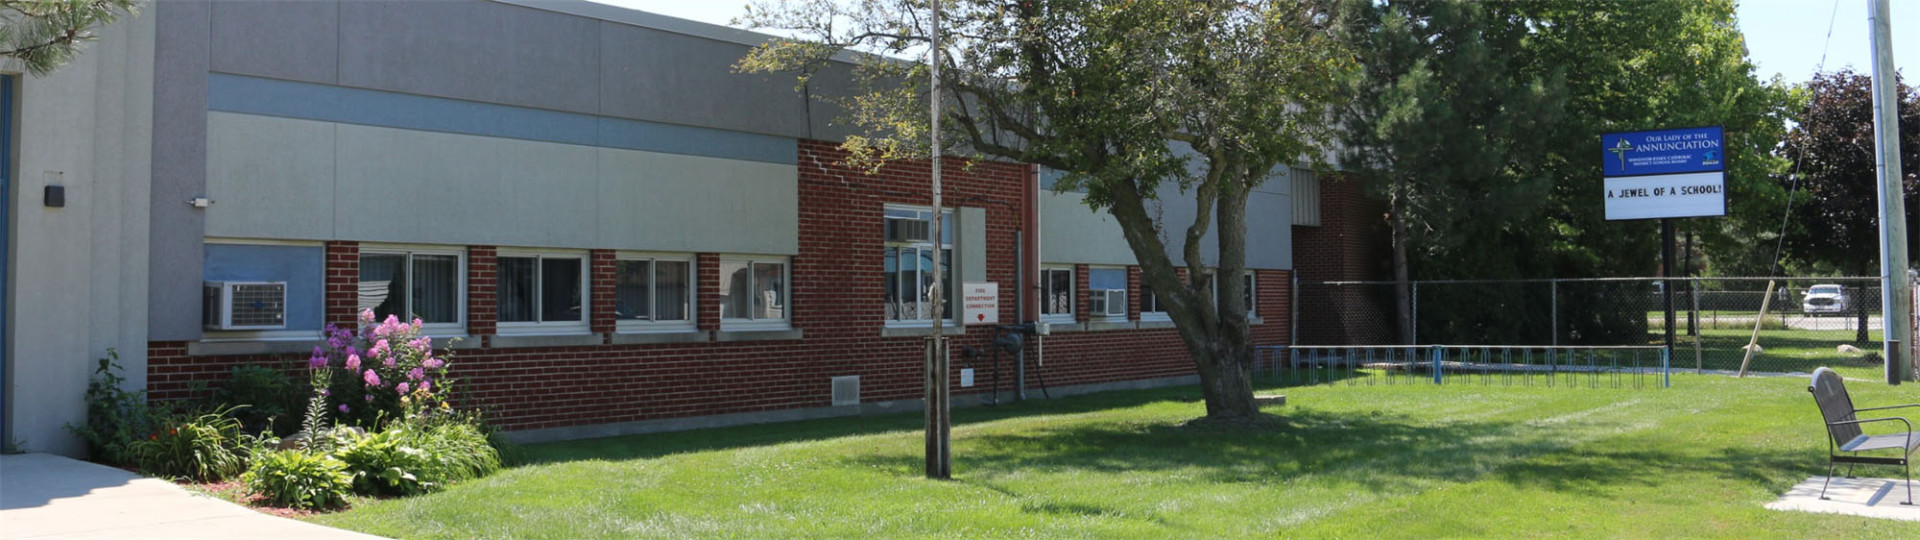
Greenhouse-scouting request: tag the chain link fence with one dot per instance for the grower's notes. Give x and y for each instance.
(1802, 324)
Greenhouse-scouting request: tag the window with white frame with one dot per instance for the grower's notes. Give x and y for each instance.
(1107, 293)
(1246, 295)
(653, 292)
(909, 265)
(424, 283)
(1056, 294)
(753, 293)
(542, 291)
(1150, 309)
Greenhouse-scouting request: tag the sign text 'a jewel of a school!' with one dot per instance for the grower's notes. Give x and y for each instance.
(1665, 174)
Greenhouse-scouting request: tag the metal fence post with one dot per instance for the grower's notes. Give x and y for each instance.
(1413, 311)
(1438, 355)
(1666, 369)
(1554, 292)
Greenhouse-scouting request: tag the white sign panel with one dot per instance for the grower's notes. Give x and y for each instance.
(980, 302)
(1667, 196)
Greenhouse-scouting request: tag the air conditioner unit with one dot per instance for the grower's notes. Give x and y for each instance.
(1109, 302)
(245, 305)
(908, 230)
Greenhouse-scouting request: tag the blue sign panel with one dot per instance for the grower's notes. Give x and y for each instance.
(1668, 151)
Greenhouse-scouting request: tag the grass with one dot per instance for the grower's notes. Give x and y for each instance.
(1697, 460)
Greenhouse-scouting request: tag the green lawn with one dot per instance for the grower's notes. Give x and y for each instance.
(1696, 460)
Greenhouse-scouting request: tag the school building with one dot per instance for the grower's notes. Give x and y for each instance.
(624, 234)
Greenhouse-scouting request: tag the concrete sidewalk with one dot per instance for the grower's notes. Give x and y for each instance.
(46, 496)
(1868, 497)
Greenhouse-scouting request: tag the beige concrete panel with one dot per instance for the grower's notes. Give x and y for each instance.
(973, 244)
(82, 128)
(1072, 233)
(269, 177)
(435, 188)
(668, 202)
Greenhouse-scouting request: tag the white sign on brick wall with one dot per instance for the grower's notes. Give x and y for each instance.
(980, 302)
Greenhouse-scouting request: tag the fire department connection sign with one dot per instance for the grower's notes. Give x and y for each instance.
(980, 302)
(1665, 174)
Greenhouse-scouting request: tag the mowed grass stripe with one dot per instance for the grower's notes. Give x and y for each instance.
(1696, 460)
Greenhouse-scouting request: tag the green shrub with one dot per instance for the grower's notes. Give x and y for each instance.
(272, 401)
(115, 417)
(209, 446)
(299, 479)
(410, 458)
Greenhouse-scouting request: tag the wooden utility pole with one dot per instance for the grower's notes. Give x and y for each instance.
(1895, 311)
(939, 423)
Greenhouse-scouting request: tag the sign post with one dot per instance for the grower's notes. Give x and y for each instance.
(1665, 174)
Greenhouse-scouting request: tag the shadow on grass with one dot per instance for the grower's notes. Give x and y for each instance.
(1378, 452)
(655, 445)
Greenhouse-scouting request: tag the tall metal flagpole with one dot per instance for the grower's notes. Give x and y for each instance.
(1895, 307)
(939, 425)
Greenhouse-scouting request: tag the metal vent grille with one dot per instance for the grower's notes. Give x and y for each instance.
(846, 390)
(908, 230)
(263, 304)
(245, 305)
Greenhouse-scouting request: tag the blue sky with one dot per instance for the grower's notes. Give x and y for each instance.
(1783, 36)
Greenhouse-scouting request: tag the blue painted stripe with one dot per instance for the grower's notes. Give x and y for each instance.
(308, 101)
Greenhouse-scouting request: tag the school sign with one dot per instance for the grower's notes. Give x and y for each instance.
(1665, 174)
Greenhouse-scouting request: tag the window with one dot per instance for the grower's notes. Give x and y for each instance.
(753, 293)
(1246, 296)
(1056, 294)
(650, 290)
(301, 265)
(542, 290)
(407, 283)
(1107, 293)
(909, 265)
(1150, 309)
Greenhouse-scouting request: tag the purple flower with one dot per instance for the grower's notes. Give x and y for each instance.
(372, 378)
(433, 363)
(343, 407)
(422, 344)
(319, 359)
(379, 348)
(417, 374)
(326, 392)
(416, 324)
(366, 316)
(389, 362)
(426, 386)
(402, 388)
(353, 362)
(369, 399)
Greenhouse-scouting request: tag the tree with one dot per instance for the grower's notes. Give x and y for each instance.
(1832, 147)
(1209, 95)
(1446, 117)
(1440, 122)
(44, 34)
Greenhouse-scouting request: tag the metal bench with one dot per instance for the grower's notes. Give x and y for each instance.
(1844, 435)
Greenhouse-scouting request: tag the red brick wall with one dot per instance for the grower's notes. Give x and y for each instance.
(1351, 244)
(343, 282)
(837, 298)
(603, 289)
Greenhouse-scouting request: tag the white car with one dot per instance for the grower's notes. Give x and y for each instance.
(1824, 298)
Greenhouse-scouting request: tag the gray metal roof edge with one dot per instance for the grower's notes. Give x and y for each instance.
(665, 23)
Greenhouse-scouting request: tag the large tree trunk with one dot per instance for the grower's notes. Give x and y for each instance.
(1402, 296)
(1219, 342)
